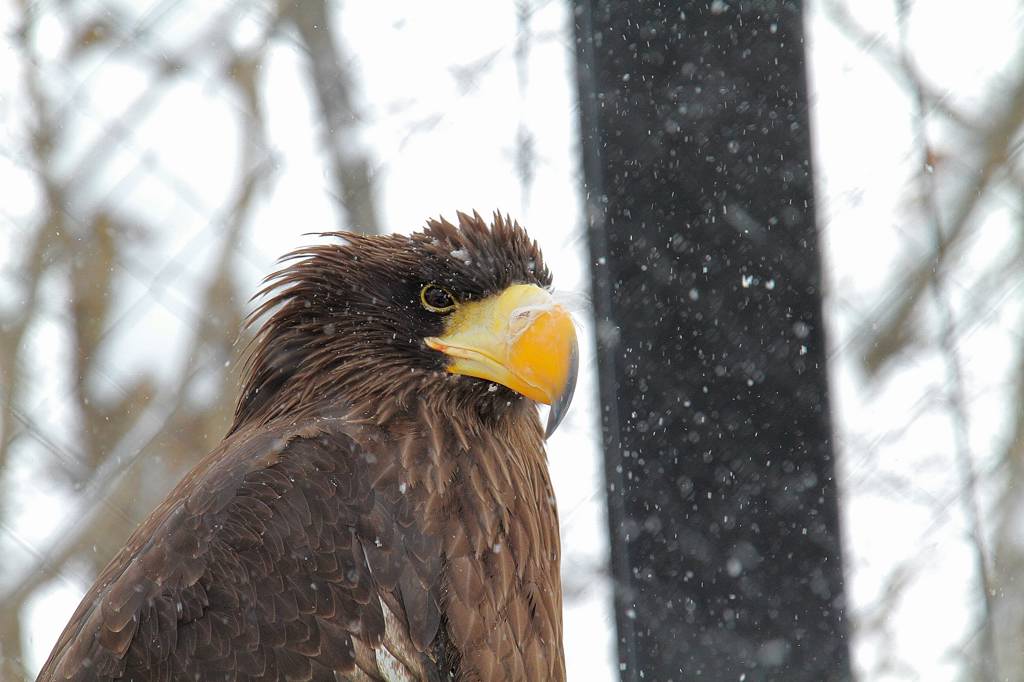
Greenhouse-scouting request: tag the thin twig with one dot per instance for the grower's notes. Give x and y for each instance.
(525, 152)
(986, 661)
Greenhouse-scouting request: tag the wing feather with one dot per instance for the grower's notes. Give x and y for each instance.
(274, 559)
(317, 551)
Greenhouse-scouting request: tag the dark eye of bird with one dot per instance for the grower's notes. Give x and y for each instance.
(437, 299)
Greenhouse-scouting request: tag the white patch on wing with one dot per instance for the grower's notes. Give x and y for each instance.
(396, 644)
(390, 667)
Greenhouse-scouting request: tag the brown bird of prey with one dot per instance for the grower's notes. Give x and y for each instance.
(381, 507)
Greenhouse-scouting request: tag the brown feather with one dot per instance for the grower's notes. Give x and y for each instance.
(368, 514)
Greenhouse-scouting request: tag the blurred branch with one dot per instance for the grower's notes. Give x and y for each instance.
(332, 83)
(1008, 564)
(985, 662)
(890, 336)
(467, 79)
(876, 621)
(109, 488)
(899, 62)
(12, 331)
(44, 135)
(887, 335)
(525, 151)
(147, 428)
(89, 512)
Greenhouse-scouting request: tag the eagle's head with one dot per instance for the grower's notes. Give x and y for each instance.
(462, 315)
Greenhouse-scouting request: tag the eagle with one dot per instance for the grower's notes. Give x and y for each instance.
(381, 507)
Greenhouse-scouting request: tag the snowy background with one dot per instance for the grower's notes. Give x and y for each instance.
(158, 156)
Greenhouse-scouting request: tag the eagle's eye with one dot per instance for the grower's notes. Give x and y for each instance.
(437, 299)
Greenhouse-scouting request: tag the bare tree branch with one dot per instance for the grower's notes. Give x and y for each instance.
(886, 338)
(332, 83)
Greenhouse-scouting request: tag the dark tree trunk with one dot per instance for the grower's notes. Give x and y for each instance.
(707, 286)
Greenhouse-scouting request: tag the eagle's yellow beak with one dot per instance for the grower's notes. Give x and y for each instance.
(521, 339)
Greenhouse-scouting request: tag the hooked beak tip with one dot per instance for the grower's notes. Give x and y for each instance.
(560, 405)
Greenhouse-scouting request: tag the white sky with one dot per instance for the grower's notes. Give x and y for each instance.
(465, 160)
